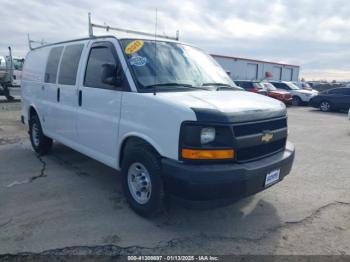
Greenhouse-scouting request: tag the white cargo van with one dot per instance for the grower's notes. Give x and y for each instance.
(163, 112)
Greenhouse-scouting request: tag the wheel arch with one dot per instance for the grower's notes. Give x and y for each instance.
(32, 111)
(135, 139)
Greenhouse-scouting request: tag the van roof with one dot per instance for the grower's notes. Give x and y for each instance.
(122, 36)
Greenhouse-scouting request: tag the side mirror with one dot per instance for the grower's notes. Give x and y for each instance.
(110, 75)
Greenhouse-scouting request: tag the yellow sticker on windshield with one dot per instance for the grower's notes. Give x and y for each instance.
(133, 47)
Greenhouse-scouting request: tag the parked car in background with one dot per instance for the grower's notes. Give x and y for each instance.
(332, 99)
(300, 96)
(251, 86)
(279, 94)
(303, 85)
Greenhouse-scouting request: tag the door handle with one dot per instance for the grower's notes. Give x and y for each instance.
(58, 94)
(80, 97)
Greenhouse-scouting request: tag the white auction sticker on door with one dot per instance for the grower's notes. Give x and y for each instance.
(272, 177)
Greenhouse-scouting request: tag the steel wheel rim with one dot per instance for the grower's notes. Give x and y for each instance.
(35, 134)
(325, 106)
(139, 183)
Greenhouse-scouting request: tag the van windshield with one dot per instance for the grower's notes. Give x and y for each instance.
(173, 65)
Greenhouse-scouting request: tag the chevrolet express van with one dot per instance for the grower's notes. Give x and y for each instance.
(163, 112)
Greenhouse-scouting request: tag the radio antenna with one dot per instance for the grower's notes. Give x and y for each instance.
(155, 53)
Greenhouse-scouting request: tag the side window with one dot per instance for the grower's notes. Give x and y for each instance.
(52, 64)
(245, 85)
(98, 56)
(280, 86)
(238, 83)
(335, 91)
(69, 64)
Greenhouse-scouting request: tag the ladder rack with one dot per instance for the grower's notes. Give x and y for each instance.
(30, 42)
(108, 28)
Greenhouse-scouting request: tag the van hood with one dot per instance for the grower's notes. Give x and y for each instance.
(227, 105)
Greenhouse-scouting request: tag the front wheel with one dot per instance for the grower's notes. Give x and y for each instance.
(40, 143)
(325, 106)
(296, 101)
(142, 183)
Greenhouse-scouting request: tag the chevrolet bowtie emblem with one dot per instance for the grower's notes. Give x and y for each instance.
(266, 137)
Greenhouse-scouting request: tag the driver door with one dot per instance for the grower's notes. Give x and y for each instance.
(99, 106)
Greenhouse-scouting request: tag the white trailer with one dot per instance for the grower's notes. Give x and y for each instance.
(250, 69)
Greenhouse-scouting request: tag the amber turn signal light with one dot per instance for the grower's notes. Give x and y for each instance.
(207, 154)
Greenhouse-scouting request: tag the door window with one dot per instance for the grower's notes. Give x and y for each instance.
(52, 64)
(338, 91)
(69, 64)
(245, 85)
(98, 56)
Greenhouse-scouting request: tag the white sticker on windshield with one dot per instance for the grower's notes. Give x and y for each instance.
(138, 60)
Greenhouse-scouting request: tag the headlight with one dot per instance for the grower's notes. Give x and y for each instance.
(207, 135)
(204, 141)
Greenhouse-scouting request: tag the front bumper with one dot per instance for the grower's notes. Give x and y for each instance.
(287, 101)
(306, 99)
(211, 182)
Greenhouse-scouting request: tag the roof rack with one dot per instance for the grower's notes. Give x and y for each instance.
(108, 28)
(30, 42)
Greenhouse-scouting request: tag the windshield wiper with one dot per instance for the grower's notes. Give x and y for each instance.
(154, 86)
(220, 85)
(216, 84)
(169, 84)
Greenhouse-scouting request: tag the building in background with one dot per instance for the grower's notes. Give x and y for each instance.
(249, 69)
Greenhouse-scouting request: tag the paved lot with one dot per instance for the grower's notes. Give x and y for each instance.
(66, 203)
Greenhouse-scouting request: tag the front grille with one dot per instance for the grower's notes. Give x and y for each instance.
(249, 138)
(254, 152)
(245, 129)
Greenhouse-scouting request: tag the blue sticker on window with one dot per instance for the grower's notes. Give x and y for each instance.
(138, 60)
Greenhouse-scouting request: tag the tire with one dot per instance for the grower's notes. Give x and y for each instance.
(325, 106)
(40, 143)
(296, 101)
(141, 179)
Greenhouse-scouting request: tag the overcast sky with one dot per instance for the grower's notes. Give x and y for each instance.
(314, 34)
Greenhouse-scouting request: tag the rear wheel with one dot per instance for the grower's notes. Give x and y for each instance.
(325, 106)
(40, 143)
(142, 183)
(296, 101)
